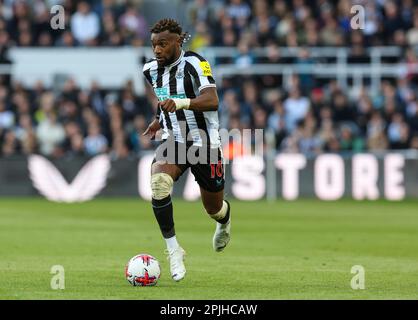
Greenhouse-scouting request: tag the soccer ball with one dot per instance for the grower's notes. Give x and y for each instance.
(143, 270)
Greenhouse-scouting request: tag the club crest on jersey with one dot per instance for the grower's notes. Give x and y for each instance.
(180, 74)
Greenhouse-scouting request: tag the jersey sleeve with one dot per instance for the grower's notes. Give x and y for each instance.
(202, 73)
(146, 70)
(147, 74)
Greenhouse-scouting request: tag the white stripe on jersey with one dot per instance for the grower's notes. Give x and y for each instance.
(173, 118)
(165, 134)
(194, 129)
(212, 123)
(152, 65)
(189, 114)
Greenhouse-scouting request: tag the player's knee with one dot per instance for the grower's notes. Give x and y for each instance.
(161, 185)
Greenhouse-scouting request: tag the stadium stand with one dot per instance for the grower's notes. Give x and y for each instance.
(308, 111)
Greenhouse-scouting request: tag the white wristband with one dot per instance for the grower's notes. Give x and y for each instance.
(182, 103)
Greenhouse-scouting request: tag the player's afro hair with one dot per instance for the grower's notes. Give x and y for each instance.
(171, 25)
(167, 24)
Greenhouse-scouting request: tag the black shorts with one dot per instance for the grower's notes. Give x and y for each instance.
(206, 163)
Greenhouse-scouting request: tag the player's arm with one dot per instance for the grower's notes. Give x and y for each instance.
(207, 101)
(152, 129)
(152, 98)
(154, 126)
(201, 74)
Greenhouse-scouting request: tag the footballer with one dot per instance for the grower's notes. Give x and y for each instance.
(187, 104)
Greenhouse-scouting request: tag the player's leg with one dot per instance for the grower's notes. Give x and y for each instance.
(219, 210)
(214, 204)
(211, 179)
(163, 176)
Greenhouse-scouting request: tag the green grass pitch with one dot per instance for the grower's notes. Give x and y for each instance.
(282, 250)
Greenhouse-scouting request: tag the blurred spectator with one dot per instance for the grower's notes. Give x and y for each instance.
(244, 57)
(393, 20)
(260, 118)
(230, 108)
(66, 40)
(307, 81)
(342, 109)
(50, 135)
(276, 118)
(349, 139)
(291, 142)
(24, 128)
(71, 129)
(201, 38)
(305, 139)
(133, 25)
(372, 22)
(276, 122)
(398, 132)
(119, 148)
(263, 22)
(199, 11)
(76, 147)
(284, 26)
(376, 138)
(327, 135)
(296, 108)
(413, 117)
(128, 104)
(95, 143)
(7, 117)
(240, 11)
(414, 142)
(10, 144)
(273, 54)
(412, 34)
(137, 140)
(331, 34)
(85, 24)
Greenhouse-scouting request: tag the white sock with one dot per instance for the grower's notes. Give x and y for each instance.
(172, 243)
(222, 213)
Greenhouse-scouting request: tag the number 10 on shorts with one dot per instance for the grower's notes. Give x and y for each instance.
(216, 168)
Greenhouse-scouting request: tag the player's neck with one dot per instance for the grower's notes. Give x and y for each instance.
(176, 59)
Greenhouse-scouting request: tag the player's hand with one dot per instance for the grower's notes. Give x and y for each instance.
(152, 129)
(168, 105)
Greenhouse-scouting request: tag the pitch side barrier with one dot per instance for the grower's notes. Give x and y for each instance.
(363, 176)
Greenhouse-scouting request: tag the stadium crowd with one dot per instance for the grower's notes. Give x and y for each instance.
(307, 115)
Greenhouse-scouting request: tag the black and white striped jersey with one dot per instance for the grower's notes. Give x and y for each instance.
(184, 78)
